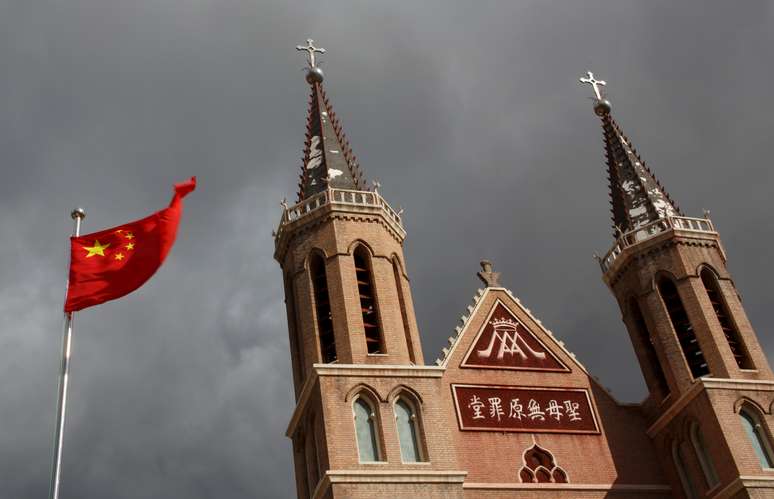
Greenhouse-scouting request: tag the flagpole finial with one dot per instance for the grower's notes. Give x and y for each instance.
(78, 213)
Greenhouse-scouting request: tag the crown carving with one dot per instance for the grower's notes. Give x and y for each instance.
(504, 323)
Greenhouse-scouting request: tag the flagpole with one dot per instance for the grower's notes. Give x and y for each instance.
(56, 468)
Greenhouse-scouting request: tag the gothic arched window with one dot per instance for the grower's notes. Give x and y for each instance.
(732, 335)
(758, 437)
(407, 422)
(683, 328)
(645, 339)
(366, 428)
(368, 305)
(322, 308)
(705, 459)
(682, 472)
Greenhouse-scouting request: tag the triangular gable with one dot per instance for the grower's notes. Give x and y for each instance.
(505, 342)
(482, 312)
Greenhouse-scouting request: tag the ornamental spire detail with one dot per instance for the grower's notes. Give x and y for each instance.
(328, 159)
(636, 196)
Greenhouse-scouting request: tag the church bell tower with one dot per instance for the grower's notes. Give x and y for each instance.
(357, 361)
(710, 386)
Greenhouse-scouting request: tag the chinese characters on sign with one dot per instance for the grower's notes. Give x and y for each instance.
(503, 408)
(505, 343)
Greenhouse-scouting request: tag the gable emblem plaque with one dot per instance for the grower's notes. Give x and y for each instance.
(504, 342)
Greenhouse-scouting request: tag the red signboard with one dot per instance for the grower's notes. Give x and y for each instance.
(504, 342)
(524, 409)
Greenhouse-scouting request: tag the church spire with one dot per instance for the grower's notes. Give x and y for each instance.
(637, 197)
(328, 158)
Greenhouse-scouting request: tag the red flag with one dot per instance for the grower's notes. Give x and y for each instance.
(114, 262)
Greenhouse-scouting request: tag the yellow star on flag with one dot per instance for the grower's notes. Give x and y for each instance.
(97, 249)
(119, 256)
(129, 235)
(129, 246)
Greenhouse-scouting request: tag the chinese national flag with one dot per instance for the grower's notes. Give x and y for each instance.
(114, 262)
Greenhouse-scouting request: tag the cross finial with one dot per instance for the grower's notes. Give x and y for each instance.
(491, 279)
(595, 84)
(311, 50)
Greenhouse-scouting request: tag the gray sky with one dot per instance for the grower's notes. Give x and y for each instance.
(470, 115)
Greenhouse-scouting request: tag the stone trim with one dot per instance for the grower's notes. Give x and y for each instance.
(379, 370)
(745, 482)
(569, 486)
(700, 384)
(384, 476)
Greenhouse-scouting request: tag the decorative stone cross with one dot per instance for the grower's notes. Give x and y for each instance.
(491, 279)
(595, 84)
(311, 49)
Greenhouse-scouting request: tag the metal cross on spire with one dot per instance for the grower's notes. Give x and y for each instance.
(595, 84)
(311, 50)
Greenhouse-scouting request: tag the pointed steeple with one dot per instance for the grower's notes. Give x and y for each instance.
(328, 158)
(637, 197)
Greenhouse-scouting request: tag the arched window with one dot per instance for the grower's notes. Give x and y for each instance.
(645, 339)
(758, 437)
(733, 337)
(705, 460)
(396, 269)
(682, 472)
(322, 308)
(366, 431)
(407, 421)
(365, 286)
(683, 328)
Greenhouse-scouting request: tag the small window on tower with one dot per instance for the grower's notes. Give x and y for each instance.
(705, 459)
(366, 430)
(322, 308)
(368, 306)
(758, 437)
(407, 422)
(682, 472)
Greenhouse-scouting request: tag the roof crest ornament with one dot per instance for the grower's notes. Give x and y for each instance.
(490, 278)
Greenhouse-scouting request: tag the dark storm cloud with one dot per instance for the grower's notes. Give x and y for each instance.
(469, 115)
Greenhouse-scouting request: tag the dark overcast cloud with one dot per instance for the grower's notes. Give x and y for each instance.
(468, 112)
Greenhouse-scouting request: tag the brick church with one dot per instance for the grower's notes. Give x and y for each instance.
(507, 410)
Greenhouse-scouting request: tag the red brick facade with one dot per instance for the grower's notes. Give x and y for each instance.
(508, 411)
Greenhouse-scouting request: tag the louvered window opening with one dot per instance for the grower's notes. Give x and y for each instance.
(323, 310)
(650, 351)
(404, 315)
(683, 328)
(373, 334)
(724, 318)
